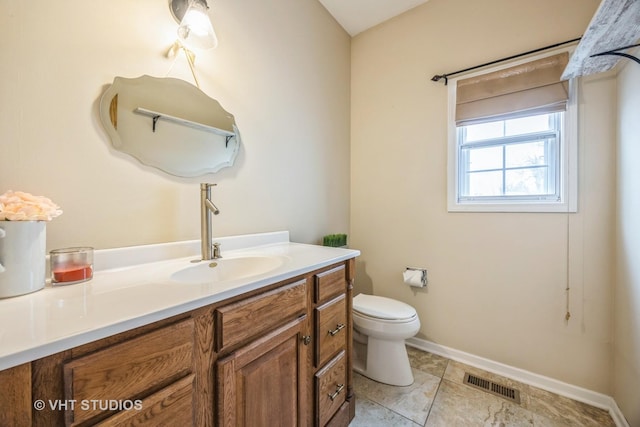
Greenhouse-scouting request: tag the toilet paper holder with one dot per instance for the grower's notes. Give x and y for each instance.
(422, 271)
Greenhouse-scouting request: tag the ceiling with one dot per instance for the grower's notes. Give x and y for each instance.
(356, 16)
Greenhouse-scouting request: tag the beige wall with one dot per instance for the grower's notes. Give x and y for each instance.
(626, 348)
(497, 281)
(282, 68)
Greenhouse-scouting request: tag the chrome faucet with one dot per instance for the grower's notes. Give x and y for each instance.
(209, 250)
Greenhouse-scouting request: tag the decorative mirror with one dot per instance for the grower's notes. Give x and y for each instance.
(169, 124)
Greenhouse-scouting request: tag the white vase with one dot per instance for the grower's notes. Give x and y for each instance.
(22, 257)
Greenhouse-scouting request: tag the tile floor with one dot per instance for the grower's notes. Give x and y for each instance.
(438, 398)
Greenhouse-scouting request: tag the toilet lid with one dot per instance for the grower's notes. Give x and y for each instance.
(382, 308)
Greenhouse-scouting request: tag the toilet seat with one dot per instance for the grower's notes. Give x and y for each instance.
(357, 314)
(383, 309)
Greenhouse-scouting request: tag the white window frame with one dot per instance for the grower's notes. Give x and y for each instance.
(568, 158)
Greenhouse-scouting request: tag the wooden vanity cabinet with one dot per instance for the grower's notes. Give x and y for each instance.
(280, 355)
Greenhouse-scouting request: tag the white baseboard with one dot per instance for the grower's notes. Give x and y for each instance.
(617, 415)
(580, 394)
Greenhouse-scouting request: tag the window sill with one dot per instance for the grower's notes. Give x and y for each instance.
(513, 207)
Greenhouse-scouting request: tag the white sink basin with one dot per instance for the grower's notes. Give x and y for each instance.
(225, 269)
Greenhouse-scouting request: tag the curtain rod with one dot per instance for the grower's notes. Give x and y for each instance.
(618, 53)
(446, 76)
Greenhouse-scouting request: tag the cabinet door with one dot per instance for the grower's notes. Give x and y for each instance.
(265, 382)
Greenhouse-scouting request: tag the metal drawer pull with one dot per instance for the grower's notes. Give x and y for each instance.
(337, 392)
(338, 328)
(306, 340)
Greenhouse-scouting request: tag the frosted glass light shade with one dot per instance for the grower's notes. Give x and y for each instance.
(195, 29)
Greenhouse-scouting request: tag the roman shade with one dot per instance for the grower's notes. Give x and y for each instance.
(523, 90)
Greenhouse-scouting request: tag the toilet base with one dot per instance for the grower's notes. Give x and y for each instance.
(383, 361)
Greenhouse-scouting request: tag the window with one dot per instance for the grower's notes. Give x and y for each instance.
(507, 152)
(513, 159)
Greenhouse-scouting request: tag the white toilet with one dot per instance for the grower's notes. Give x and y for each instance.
(380, 326)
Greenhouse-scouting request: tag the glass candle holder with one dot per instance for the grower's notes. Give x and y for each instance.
(71, 265)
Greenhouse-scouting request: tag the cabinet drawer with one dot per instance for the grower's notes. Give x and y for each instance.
(331, 388)
(171, 406)
(331, 329)
(330, 283)
(128, 370)
(245, 319)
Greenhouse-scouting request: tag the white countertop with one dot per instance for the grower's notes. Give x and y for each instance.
(131, 287)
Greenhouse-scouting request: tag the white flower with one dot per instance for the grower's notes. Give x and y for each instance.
(20, 206)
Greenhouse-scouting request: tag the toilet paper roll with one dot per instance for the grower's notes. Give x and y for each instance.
(413, 278)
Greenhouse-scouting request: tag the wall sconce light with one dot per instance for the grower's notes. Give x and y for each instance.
(195, 30)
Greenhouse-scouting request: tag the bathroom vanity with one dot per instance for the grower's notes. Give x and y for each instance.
(273, 348)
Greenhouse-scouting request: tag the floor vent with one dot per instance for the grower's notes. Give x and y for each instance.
(508, 393)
